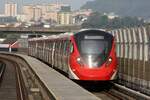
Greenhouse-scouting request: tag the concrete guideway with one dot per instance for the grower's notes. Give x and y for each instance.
(57, 86)
(60, 87)
(54, 30)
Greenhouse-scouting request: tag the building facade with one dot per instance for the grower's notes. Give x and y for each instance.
(11, 9)
(65, 18)
(32, 12)
(80, 16)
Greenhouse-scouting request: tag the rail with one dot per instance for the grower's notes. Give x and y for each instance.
(29, 86)
(2, 69)
(112, 91)
(41, 85)
(10, 85)
(132, 93)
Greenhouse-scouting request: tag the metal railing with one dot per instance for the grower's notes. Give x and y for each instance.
(133, 52)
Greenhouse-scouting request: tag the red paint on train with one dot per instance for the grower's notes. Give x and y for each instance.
(89, 54)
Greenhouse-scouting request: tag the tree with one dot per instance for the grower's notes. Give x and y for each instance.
(95, 20)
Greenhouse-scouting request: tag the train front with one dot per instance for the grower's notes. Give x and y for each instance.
(93, 56)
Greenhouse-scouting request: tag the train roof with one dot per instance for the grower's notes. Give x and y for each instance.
(66, 35)
(103, 31)
(87, 29)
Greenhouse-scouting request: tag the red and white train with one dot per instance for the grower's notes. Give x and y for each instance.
(85, 55)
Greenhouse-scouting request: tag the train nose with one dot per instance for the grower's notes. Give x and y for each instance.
(92, 61)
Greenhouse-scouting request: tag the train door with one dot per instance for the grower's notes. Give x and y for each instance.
(62, 55)
(50, 49)
(46, 50)
(53, 53)
(65, 56)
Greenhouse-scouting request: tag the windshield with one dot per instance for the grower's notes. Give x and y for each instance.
(93, 46)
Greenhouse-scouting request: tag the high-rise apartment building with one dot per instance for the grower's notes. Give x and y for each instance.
(27, 11)
(65, 15)
(52, 13)
(65, 18)
(35, 12)
(11, 9)
(54, 7)
(32, 12)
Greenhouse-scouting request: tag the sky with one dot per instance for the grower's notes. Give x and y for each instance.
(76, 4)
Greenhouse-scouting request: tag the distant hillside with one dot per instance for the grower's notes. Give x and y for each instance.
(140, 8)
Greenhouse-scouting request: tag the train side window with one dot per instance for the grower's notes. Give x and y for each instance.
(50, 45)
(71, 47)
(55, 46)
(60, 45)
(67, 47)
(64, 48)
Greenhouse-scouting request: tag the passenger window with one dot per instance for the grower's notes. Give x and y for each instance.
(65, 46)
(71, 47)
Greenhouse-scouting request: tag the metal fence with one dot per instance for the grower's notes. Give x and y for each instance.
(133, 52)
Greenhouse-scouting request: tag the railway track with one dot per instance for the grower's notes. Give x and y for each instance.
(110, 91)
(113, 94)
(113, 91)
(131, 93)
(2, 69)
(17, 82)
(10, 85)
(32, 83)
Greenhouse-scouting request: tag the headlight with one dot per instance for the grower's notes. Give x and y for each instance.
(108, 62)
(110, 59)
(79, 61)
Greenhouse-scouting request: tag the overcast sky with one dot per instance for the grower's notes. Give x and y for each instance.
(76, 4)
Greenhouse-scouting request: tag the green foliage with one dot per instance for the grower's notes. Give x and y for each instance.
(6, 35)
(96, 20)
(120, 7)
(13, 35)
(3, 35)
